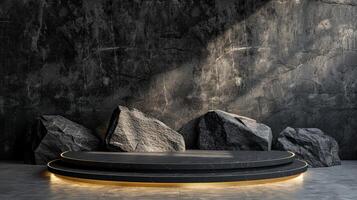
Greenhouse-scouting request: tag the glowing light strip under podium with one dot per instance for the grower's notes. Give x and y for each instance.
(57, 178)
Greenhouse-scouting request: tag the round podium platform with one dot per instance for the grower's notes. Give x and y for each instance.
(188, 160)
(178, 167)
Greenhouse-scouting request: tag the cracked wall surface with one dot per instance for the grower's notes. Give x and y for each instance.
(282, 62)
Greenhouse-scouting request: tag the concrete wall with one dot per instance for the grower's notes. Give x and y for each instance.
(282, 62)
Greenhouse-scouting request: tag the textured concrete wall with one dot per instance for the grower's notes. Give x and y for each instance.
(283, 62)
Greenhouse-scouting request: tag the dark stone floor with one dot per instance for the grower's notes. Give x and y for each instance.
(18, 181)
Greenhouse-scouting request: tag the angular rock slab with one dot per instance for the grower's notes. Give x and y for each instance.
(219, 130)
(55, 134)
(311, 145)
(132, 131)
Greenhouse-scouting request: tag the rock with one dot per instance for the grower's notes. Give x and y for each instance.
(54, 134)
(186, 55)
(190, 133)
(132, 131)
(219, 130)
(311, 145)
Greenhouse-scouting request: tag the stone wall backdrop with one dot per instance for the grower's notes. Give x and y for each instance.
(282, 62)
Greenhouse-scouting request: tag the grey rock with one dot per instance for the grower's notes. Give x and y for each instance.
(219, 130)
(311, 145)
(132, 131)
(55, 134)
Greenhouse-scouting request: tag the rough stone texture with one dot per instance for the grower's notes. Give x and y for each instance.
(55, 134)
(132, 131)
(190, 131)
(219, 130)
(311, 145)
(282, 62)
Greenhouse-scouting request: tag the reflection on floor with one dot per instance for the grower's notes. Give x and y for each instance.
(18, 181)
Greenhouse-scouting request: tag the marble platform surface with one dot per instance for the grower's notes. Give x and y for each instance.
(19, 181)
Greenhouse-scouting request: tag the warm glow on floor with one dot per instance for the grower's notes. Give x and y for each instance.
(58, 179)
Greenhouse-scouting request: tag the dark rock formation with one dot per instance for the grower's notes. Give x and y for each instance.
(285, 63)
(190, 133)
(132, 131)
(311, 145)
(219, 130)
(54, 134)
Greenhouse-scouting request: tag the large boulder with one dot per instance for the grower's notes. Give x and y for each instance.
(132, 131)
(219, 130)
(54, 134)
(311, 145)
